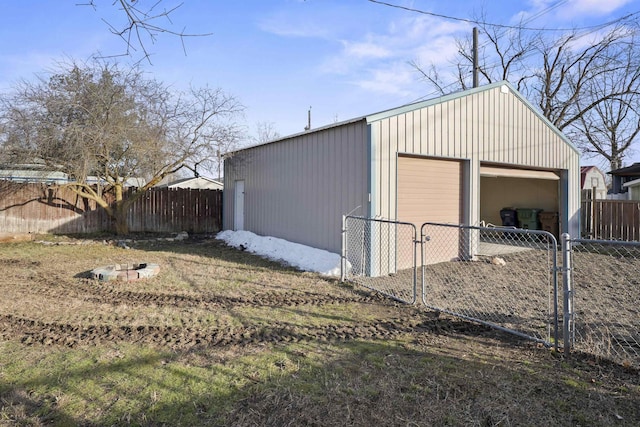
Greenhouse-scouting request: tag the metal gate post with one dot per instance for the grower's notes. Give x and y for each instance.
(343, 254)
(415, 264)
(567, 323)
(423, 285)
(555, 269)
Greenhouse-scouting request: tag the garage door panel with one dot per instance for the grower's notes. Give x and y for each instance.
(430, 190)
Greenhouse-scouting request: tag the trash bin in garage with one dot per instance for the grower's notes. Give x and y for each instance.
(549, 222)
(528, 218)
(509, 217)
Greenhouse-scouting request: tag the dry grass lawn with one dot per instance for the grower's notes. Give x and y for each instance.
(222, 337)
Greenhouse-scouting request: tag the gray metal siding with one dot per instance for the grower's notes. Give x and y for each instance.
(483, 126)
(298, 189)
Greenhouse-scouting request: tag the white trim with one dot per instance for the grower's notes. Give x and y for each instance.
(632, 183)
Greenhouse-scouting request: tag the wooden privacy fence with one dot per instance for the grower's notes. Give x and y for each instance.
(175, 210)
(611, 219)
(37, 208)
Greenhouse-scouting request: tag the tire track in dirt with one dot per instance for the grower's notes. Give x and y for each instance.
(34, 332)
(113, 296)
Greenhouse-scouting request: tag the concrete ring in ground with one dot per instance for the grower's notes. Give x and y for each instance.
(125, 272)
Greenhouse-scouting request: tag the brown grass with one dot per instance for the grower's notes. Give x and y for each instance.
(222, 337)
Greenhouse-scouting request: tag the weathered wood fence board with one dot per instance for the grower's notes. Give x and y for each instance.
(37, 208)
(174, 210)
(611, 219)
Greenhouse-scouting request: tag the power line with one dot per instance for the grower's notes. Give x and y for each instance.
(489, 24)
(533, 17)
(577, 32)
(544, 11)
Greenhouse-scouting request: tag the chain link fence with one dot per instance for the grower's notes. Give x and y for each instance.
(381, 255)
(507, 278)
(502, 277)
(605, 299)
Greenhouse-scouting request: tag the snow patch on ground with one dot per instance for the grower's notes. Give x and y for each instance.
(300, 256)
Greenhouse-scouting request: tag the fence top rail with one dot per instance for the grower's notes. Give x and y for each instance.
(612, 201)
(493, 229)
(384, 221)
(607, 242)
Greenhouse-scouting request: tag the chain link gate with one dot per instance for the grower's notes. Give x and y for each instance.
(502, 277)
(505, 278)
(381, 255)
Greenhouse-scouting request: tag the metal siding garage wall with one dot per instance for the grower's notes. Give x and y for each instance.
(298, 188)
(430, 190)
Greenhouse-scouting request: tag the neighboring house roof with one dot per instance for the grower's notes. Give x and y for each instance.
(200, 182)
(634, 183)
(31, 172)
(30, 175)
(129, 182)
(35, 172)
(629, 171)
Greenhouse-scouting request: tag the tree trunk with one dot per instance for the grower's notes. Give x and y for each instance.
(120, 212)
(615, 162)
(122, 227)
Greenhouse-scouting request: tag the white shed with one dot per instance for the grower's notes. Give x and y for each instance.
(197, 182)
(592, 183)
(459, 159)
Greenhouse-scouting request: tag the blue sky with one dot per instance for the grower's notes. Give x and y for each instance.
(342, 58)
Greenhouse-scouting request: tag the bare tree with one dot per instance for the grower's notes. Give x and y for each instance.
(265, 132)
(143, 24)
(228, 139)
(107, 127)
(611, 126)
(503, 56)
(577, 80)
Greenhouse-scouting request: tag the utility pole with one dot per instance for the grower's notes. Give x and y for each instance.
(475, 56)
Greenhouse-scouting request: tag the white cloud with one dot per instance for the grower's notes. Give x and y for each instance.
(374, 55)
(378, 62)
(574, 8)
(394, 80)
(306, 21)
(551, 12)
(282, 26)
(367, 49)
(567, 13)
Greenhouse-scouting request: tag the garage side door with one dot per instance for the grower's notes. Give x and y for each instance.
(430, 190)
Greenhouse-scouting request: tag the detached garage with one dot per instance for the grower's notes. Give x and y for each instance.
(457, 159)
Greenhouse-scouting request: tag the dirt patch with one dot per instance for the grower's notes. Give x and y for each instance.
(15, 237)
(35, 332)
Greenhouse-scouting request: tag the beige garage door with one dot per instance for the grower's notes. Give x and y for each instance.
(430, 190)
